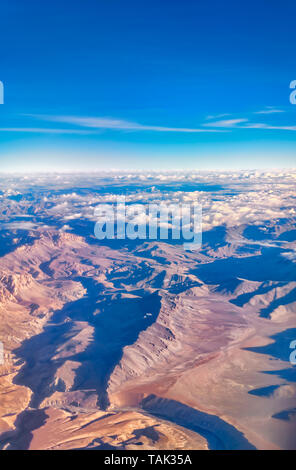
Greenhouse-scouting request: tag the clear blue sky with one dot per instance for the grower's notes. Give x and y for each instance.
(147, 84)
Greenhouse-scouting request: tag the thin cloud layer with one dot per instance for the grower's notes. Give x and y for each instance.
(116, 124)
(44, 130)
(246, 124)
(226, 123)
(101, 123)
(269, 111)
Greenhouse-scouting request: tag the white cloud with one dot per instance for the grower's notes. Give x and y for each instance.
(116, 124)
(269, 110)
(235, 123)
(218, 116)
(42, 130)
(100, 123)
(226, 123)
(268, 126)
(248, 197)
(290, 255)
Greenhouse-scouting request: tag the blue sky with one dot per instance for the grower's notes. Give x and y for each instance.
(152, 84)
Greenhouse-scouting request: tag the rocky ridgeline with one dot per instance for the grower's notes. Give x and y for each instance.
(12, 284)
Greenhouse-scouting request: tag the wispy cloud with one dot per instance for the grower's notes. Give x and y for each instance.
(44, 130)
(246, 124)
(95, 125)
(218, 116)
(225, 123)
(268, 126)
(269, 110)
(116, 124)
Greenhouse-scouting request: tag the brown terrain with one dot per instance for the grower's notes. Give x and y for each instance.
(115, 348)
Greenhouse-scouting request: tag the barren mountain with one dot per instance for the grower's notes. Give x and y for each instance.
(121, 344)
